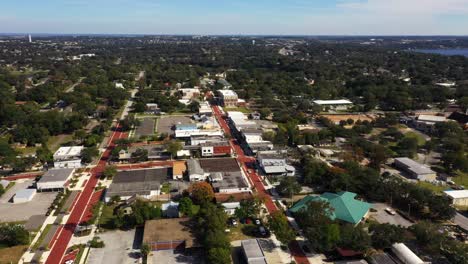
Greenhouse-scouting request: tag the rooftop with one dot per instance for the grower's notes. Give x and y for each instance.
(219, 165)
(173, 229)
(414, 166)
(253, 250)
(227, 92)
(25, 193)
(56, 175)
(138, 182)
(346, 207)
(69, 151)
(332, 102)
(457, 194)
(431, 118)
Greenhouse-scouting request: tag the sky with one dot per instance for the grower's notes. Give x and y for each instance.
(223, 17)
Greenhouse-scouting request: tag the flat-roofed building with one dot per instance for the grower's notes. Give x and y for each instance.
(216, 148)
(139, 182)
(68, 157)
(228, 98)
(54, 180)
(415, 169)
(24, 195)
(341, 104)
(205, 109)
(274, 164)
(253, 252)
(459, 197)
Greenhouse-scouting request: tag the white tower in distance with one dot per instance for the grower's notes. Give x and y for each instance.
(253, 42)
(30, 39)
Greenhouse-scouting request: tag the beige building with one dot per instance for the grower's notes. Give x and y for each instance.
(459, 197)
(228, 98)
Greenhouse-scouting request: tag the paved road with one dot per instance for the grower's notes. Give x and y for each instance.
(65, 234)
(255, 179)
(461, 221)
(72, 87)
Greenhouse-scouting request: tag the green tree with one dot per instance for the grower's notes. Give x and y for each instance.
(145, 249)
(13, 235)
(186, 206)
(219, 255)
(249, 208)
(385, 235)
(288, 186)
(44, 155)
(140, 155)
(278, 223)
(109, 172)
(88, 154)
(173, 146)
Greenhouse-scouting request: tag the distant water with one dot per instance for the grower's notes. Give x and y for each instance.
(447, 52)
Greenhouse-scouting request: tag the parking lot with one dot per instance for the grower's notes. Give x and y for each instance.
(166, 123)
(146, 127)
(10, 212)
(171, 257)
(120, 247)
(382, 216)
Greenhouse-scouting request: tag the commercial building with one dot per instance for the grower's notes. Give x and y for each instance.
(253, 252)
(224, 173)
(205, 109)
(54, 180)
(426, 123)
(274, 164)
(216, 148)
(24, 195)
(252, 135)
(345, 207)
(139, 182)
(459, 197)
(68, 157)
(189, 93)
(228, 98)
(152, 108)
(240, 121)
(342, 104)
(169, 234)
(415, 170)
(190, 130)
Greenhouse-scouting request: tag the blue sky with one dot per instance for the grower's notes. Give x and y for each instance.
(287, 17)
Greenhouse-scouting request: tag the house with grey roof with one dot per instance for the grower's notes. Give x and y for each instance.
(415, 169)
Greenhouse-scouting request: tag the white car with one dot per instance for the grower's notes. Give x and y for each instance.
(390, 211)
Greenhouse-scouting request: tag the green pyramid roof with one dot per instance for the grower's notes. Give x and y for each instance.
(346, 207)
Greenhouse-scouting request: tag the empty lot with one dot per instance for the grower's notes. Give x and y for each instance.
(120, 247)
(166, 123)
(10, 212)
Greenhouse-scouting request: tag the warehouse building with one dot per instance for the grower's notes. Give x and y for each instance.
(340, 105)
(415, 170)
(54, 180)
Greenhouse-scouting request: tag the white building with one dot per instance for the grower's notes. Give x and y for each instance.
(190, 130)
(24, 195)
(205, 109)
(68, 157)
(341, 104)
(253, 252)
(189, 93)
(426, 122)
(230, 208)
(459, 197)
(54, 180)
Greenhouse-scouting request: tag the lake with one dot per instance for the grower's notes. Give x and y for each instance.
(447, 52)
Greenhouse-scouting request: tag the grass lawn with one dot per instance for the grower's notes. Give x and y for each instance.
(461, 179)
(435, 188)
(419, 138)
(239, 232)
(244, 110)
(12, 254)
(166, 187)
(107, 215)
(41, 237)
(56, 141)
(27, 150)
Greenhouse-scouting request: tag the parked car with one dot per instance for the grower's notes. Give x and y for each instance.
(263, 232)
(258, 222)
(390, 211)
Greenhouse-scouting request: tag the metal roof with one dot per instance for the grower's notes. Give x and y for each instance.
(252, 249)
(414, 166)
(56, 175)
